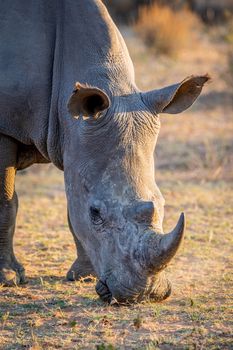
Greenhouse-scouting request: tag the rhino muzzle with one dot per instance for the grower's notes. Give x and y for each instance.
(157, 290)
(154, 252)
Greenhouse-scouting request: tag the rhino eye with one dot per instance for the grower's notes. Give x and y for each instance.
(95, 216)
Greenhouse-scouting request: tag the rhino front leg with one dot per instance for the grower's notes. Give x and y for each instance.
(11, 271)
(82, 267)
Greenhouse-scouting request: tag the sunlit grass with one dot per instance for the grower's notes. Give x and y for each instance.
(164, 30)
(50, 313)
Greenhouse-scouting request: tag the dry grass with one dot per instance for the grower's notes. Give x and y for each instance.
(50, 313)
(165, 30)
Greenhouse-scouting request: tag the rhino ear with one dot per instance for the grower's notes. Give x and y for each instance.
(87, 101)
(176, 98)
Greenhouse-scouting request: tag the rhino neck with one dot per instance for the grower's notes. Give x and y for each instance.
(108, 64)
(92, 50)
(89, 49)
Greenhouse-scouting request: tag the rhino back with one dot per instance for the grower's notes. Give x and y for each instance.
(26, 60)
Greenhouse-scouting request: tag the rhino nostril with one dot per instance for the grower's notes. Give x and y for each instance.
(103, 291)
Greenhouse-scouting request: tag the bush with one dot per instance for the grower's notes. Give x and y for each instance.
(166, 30)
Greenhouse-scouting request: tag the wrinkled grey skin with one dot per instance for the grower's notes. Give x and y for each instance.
(104, 141)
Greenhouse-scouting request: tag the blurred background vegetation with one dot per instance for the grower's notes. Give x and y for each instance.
(169, 24)
(210, 11)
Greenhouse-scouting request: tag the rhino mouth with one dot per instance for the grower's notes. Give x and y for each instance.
(106, 295)
(103, 291)
(158, 291)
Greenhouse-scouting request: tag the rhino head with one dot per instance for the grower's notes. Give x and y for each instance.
(115, 207)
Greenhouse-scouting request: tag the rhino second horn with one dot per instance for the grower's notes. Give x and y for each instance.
(163, 247)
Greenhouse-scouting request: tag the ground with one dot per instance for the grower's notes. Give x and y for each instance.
(194, 172)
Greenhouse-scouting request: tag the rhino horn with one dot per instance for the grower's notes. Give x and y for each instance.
(161, 248)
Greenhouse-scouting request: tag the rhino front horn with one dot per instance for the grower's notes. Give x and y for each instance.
(161, 248)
